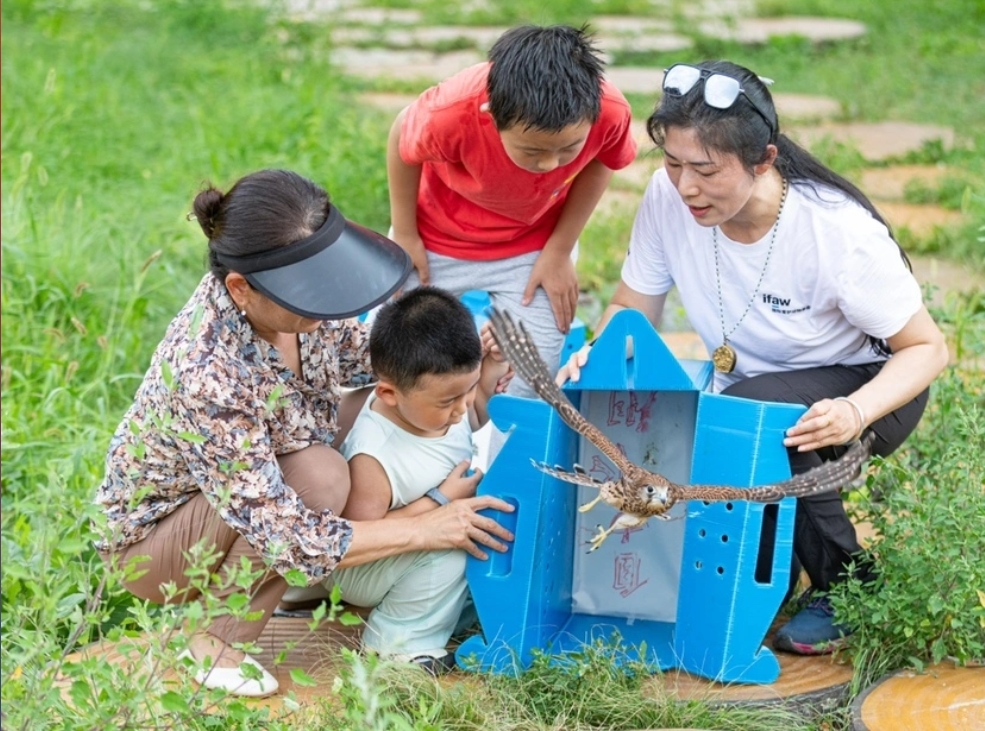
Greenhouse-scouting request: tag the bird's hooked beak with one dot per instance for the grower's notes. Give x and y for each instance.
(656, 495)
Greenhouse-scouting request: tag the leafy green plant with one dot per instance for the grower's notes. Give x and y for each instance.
(949, 192)
(928, 514)
(962, 318)
(363, 688)
(132, 675)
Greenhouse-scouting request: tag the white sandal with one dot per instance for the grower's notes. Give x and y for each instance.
(233, 680)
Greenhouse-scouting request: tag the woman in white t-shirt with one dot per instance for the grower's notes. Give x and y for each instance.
(797, 288)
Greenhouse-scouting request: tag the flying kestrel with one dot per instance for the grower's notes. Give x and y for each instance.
(640, 494)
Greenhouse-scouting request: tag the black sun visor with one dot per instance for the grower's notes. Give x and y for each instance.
(340, 271)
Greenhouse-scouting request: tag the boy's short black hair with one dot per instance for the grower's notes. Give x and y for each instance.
(424, 331)
(545, 78)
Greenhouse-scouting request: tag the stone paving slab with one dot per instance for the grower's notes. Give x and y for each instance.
(403, 65)
(630, 25)
(353, 35)
(890, 183)
(876, 141)
(648, 42)
(434, 36)
(920, 220)
(308, 10)
(483, 37)
(378, 16)
(760, 30)
(800, 108)
(708, 8)
(637, 33)
(636, 79)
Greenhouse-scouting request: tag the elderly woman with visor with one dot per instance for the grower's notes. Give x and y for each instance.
(797, 288)
(229, 443)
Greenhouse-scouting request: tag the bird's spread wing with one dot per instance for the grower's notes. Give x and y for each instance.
(577, 477)
(519, 349)
(823, 478)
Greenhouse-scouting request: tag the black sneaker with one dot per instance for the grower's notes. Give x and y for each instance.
(433, 662)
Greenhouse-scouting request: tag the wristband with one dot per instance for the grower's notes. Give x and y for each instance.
(436, 495)
(861, 417)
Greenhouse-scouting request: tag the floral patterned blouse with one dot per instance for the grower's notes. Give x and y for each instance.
(216, 407)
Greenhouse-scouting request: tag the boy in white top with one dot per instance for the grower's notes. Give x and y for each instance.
(436, 375)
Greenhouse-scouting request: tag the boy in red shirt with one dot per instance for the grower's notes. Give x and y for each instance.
(495, 171)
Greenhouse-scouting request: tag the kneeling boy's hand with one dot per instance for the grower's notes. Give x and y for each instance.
(461, 482)
(500, 367)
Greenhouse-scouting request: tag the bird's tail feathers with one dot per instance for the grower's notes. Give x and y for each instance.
(520, 350)
(830, 475)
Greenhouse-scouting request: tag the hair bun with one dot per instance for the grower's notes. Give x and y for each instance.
(206, 209)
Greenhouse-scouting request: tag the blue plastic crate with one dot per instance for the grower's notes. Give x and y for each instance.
(680, 593)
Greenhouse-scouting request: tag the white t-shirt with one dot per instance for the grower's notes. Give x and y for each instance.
(413, 464)
(834, 278)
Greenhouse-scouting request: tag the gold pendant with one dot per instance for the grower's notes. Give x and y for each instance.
(724, 358)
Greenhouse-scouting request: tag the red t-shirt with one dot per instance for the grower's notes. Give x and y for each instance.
(474, 202)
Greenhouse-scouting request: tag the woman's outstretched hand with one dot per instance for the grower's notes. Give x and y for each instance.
(829, 422)
(571, 371)
(459, 525)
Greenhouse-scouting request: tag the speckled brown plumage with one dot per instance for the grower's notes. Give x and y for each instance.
(639, 493)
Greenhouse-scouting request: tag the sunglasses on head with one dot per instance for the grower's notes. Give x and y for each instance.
(721, 91)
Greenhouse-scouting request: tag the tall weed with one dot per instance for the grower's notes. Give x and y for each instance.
(927, 510)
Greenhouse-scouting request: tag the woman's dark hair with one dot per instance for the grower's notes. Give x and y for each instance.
(426, 331)
(741, 131)
(262, 211)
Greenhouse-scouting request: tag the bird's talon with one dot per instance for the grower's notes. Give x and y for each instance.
(589, 505)
(599, 538)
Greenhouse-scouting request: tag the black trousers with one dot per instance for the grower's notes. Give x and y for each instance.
(824, 537)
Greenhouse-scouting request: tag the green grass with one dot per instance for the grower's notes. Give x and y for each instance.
(116, 113)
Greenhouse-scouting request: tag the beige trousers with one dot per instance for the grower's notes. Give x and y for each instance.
(320, 477)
